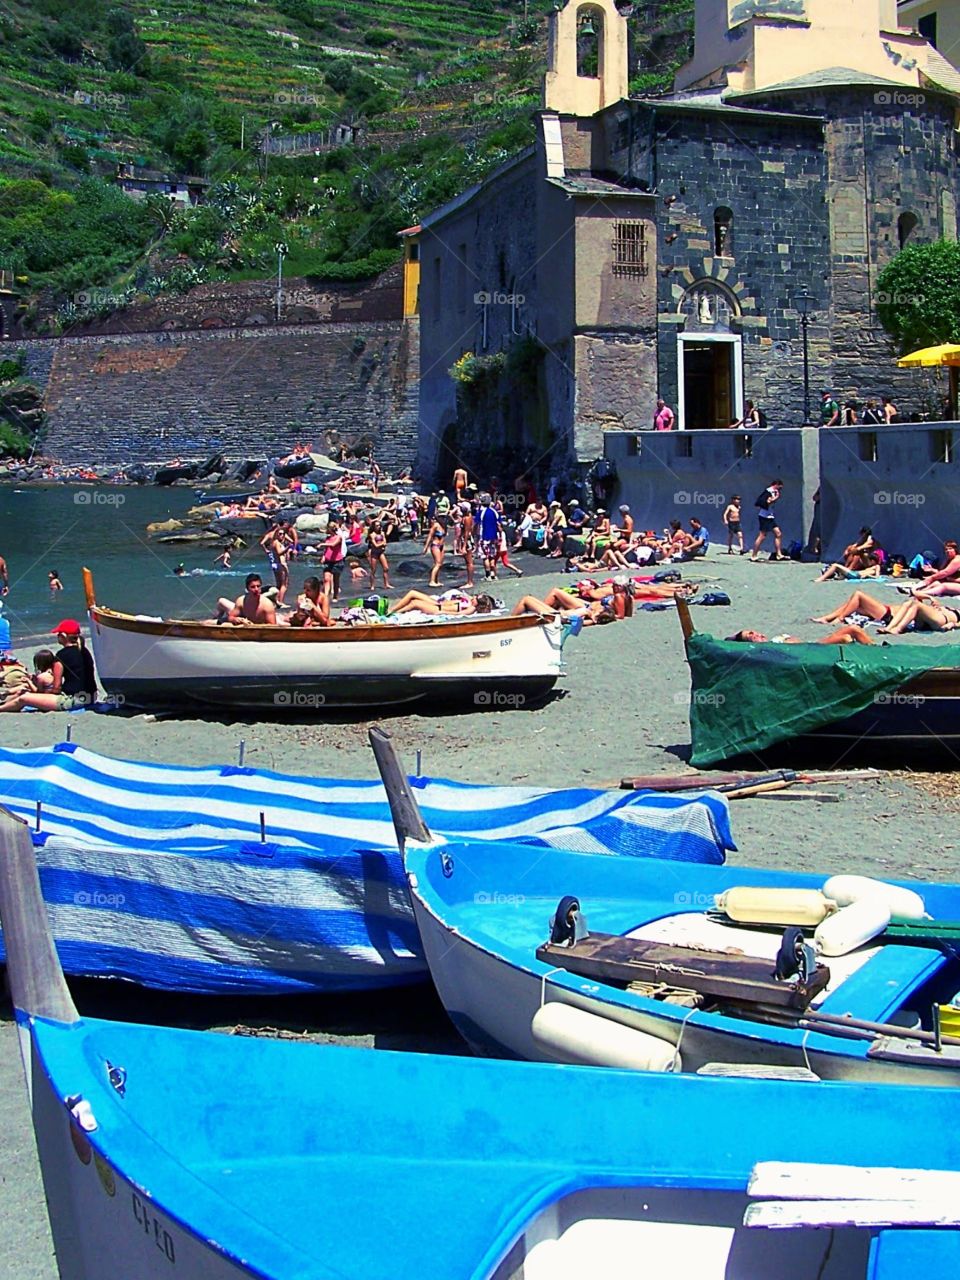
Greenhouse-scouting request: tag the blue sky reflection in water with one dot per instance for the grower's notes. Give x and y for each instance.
(104, 528)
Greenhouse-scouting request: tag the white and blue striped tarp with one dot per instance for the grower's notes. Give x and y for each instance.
(160, 874)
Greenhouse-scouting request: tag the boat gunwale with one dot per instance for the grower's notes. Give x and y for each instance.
(196, 629)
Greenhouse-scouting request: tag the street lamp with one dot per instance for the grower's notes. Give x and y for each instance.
(282, 250)
(804, 304)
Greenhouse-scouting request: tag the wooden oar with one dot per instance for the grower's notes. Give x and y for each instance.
(859, 1028)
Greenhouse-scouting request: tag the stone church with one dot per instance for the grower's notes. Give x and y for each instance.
(669, 245)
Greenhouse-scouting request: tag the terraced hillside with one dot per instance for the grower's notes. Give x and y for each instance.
(244, 94)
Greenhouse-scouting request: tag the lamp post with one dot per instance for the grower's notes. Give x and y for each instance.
(804, 303)
(281, 249)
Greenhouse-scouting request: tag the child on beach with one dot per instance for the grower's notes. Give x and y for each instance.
(223, 559)
(44, 676)
(54, 579)
(731, 518)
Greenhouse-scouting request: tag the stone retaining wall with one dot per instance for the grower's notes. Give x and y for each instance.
(240, 391)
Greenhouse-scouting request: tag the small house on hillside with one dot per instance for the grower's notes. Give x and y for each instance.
(138, 183)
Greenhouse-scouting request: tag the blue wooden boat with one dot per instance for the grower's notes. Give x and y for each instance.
(169, 1153)
(604, 961)
(224, 879)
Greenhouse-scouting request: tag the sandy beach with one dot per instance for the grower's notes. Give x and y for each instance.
(622, 711)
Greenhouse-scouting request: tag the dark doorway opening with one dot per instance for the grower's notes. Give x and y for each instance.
(708, 385)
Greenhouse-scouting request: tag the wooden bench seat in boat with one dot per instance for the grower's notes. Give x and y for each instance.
(615, 959)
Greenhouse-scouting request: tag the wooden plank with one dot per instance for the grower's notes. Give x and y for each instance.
(744, 979)
(784, 1214)
(817, 797)
(782, 1180)
(681, 782)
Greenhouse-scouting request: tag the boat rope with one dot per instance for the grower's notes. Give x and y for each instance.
(683, 1027)
(543, 982)
(803, 1048)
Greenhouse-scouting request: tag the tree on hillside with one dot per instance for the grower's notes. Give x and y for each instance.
(918, 295)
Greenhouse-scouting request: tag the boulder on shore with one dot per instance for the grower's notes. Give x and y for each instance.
(160, 527)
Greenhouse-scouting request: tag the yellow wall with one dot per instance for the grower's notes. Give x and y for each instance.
(765, 43)
(411, 277)
(948, 24)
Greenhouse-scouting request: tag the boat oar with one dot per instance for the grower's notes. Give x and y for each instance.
(859, 1028)
(407, 819)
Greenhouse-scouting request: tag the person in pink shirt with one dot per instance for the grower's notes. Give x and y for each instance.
(663, 419)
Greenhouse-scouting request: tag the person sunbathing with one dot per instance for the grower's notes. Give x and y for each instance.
(848, 634)
(842, 571)
(589, 590)
(926, 615)
(860, 603)
(562, 604)
(455, 602)
(941, 582)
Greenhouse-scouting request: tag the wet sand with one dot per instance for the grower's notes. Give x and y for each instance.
(622, 710)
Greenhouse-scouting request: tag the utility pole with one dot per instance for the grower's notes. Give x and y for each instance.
(281, 251)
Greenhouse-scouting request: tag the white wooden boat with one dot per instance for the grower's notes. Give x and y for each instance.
(494, 663)
(169, 1153)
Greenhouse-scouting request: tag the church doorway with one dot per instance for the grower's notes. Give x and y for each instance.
(710, 381)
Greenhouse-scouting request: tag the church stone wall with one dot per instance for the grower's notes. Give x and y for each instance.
(479, 270)
(770, 174)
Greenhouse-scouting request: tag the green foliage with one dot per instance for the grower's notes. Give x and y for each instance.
(12, 367)
(70, 239)
(919, 295)
(187, 74)
(14, 443)
(378, 38)
(360, 268)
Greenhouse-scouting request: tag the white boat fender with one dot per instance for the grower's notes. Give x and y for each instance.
(575, 1036)
(904, 903)
(568, 925)
(749, 905)
(852, 926)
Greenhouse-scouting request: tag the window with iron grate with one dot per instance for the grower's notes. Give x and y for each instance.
(630, 248)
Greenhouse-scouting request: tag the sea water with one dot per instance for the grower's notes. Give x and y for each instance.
(66, 528)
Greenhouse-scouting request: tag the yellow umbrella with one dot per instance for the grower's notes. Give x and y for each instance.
(948, 353)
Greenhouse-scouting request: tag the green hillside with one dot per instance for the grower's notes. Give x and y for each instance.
(441, 93)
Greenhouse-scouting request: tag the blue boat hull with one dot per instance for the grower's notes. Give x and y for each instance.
(333, 1163)
(482, 948)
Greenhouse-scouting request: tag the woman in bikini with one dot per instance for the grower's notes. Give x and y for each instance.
(377, 555)
(861, 603)
(451, 602)
(926, 615)
(436, 546)
(563, 605)
(848, 634)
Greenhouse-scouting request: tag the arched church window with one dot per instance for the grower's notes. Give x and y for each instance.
(723, 232)
(589, 33)
(907, 224)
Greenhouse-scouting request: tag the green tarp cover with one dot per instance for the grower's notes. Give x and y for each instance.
(746, 697)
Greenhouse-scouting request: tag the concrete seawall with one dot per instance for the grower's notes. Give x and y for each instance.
(903, 481)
